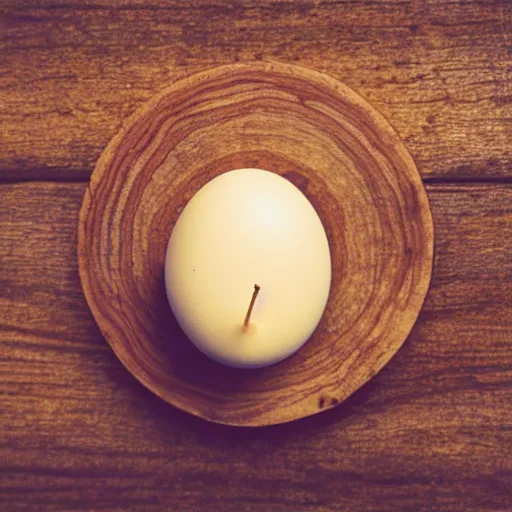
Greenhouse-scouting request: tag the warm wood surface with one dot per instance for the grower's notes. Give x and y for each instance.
(439, 70)
(431, 432)
(344, 157)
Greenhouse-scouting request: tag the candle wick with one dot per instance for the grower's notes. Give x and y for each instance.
(251, 305)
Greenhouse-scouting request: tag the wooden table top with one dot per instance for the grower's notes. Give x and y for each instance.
(432, 431)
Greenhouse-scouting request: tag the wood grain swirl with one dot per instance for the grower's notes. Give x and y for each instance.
(347, 160)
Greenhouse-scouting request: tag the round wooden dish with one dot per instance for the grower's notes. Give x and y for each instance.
(346, 159)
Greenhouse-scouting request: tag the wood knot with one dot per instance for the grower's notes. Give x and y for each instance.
(327, 402)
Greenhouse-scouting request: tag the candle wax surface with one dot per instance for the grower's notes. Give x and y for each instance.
(244, 228)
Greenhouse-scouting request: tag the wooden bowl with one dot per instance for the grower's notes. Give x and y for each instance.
(346, 159)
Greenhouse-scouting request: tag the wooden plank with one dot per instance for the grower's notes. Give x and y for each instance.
(432, 431)
(439, 70)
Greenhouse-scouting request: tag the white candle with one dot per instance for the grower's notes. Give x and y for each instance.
(248, 269)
